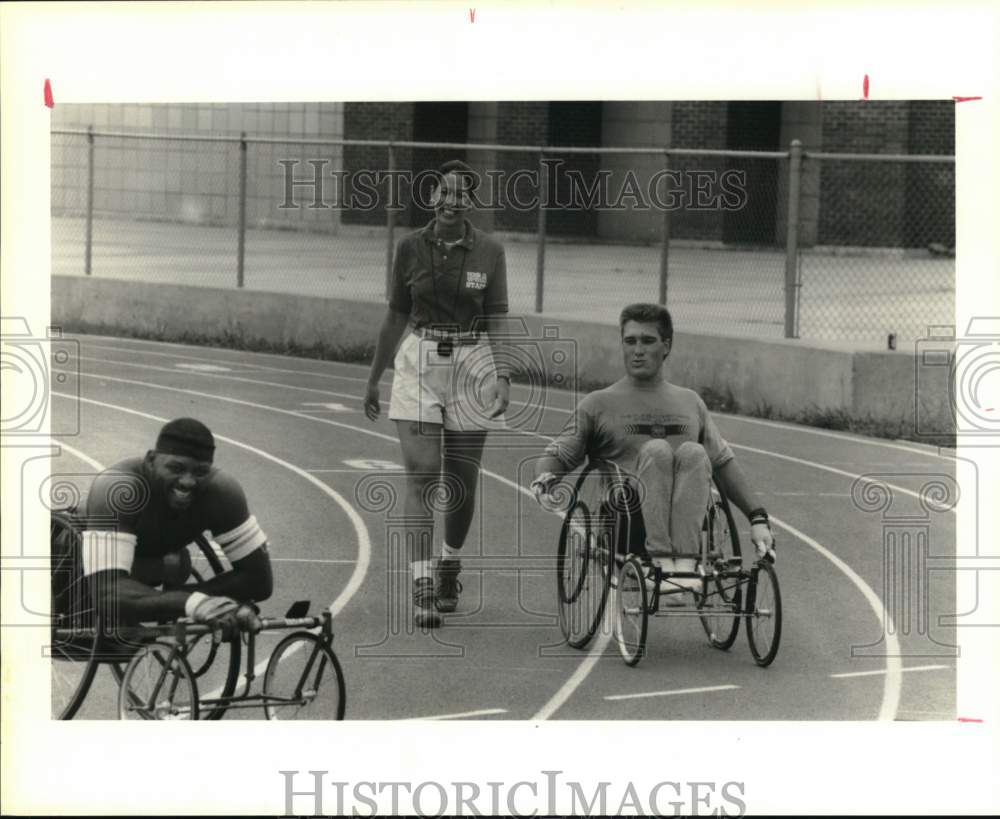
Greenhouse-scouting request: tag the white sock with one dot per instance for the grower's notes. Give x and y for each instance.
(421, 569)
(449, 553)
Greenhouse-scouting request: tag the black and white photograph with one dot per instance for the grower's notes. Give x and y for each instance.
(484, 430)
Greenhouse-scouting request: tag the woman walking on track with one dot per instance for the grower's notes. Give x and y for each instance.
(449, 285)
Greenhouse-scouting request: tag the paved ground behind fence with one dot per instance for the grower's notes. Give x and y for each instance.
(846, 299)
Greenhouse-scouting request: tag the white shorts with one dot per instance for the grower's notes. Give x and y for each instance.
(455, 391)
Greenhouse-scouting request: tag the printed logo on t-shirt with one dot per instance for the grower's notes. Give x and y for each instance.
(475, 280)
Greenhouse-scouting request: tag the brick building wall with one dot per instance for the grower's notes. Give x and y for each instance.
(697, 125)
(193, 181)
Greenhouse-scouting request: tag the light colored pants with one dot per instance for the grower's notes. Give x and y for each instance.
(674, 486)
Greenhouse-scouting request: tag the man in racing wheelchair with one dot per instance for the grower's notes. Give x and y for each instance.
(664, 440)
(140, 515)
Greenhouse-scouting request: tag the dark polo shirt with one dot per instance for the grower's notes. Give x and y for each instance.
(448, 287)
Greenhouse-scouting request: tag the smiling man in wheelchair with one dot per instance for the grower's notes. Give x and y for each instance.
(664, 440)
(126, 556)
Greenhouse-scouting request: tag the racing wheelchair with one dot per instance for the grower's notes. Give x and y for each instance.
(602, 546)
(158, 668)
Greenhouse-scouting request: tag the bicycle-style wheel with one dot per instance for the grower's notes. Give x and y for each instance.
(157, 685)
(722, 594)
(74, 659)
(304, 680)
(631, 611)
(763, 613)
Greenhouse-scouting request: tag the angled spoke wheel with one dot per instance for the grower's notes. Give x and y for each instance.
(631, 611)
(723, 595)
(158, 684)
(763, 613)
(304, 680)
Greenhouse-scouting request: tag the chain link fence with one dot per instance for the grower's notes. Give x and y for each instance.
(586, 230)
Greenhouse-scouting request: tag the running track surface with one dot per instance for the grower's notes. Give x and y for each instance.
(326, 485)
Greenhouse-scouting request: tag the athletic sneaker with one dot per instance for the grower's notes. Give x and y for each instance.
(447, 586)
(673, 584)
(423, 604)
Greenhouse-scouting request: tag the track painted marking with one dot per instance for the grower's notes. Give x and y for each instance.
(373, 463)
(586, 666)
(78, 454)
(254, 381)
(364, 543)
(206, 368)
(880, 671)
(463, 715)
(703, 690)
(893, 679)
(929, 452)
(893, 683)
(326, 407)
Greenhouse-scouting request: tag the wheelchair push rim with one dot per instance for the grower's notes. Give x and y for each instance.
(723, 590)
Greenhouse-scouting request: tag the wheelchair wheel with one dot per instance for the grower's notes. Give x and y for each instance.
(722, 593)
(585, 560)
(203, 651)
(763, 613)
(158, 684)
(632, 611)
(74, 659)
(304, 680)
(73, 667)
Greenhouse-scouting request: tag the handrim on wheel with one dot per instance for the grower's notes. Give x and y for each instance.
(763, 613)
(722, 592)
(158, 685)
(631, 611)
(304, 680)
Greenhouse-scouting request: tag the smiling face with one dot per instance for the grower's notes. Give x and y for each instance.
(176, 478)
(451, 201)
(643, 351)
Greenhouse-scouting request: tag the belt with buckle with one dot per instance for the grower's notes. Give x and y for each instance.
(446, 340)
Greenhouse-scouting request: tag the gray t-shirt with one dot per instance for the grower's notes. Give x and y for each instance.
(612, 424)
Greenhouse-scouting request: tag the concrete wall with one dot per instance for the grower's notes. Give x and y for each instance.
(787, 376)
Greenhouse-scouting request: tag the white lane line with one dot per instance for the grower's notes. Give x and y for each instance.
(218, 376)
(294, 413)
(893, 683)
(893, 678)
(364, 543)
(676, 691)
(583, 670)
(825, 468)
(83, 457)
(914, 448)
(880, 671)
(484, 712)
(308, 560)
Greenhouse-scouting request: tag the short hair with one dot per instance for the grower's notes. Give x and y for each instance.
(648, 314)
(456, 166)
(188, 437)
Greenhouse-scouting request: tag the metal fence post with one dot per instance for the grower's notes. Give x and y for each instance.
(241, 243)
(390, 219)
(90, 202)
(543, 192)
(792, 283)
(665, 237)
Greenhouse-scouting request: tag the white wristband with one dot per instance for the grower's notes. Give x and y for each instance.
(193, 601)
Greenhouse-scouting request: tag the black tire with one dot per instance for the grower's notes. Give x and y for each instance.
(763, 613)
(631, 611)
(74, 644)
(723, 592)
(304, 671)
(203, 651)
(158, 684)
(587, 536)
